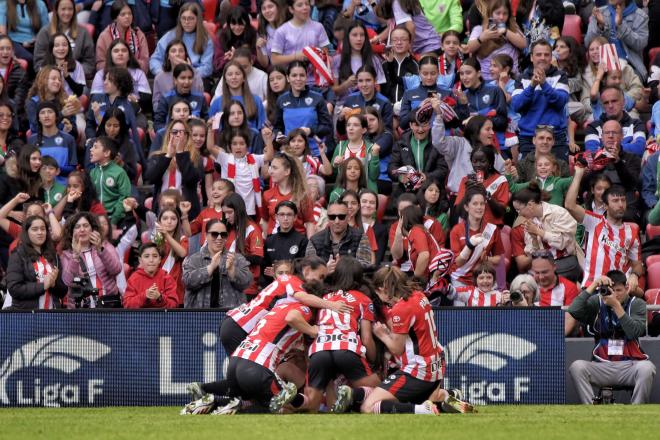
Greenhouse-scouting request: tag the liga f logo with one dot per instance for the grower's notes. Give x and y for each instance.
(60, 352)
(490, 351)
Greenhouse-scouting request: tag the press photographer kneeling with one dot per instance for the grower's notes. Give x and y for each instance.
(616, 320)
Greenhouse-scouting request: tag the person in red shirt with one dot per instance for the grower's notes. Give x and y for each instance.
(422, 247)
(399, 243)
(150, 286)
(410, 335)
(352, 201)
(245, 237)
(219, 190)
(483, 293)
(288, 183)
(496, 185)
(473, 239)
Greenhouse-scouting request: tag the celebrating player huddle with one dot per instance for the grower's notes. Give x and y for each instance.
(299, 333)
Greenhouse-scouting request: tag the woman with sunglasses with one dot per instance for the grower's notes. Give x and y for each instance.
(215, 277)
(177, 165)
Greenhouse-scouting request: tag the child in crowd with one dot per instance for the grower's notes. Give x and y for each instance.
(53, 190)
(150, 286)
(219, 190)
(351, 177)
(110, 180)
(483, 293)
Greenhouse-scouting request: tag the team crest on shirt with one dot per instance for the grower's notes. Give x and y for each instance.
(305, 309)
(110, 182)
(193, 105)
(371, 307)
(293, 250)
(121, 107)
(396, 319)
(59, 140)
(309, 100)
(57, 197)
(376, 106)
(485, 99)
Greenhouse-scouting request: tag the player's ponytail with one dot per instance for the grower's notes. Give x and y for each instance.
(394, 282)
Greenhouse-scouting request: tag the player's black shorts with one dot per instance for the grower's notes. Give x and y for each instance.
(325, 366)
(231, 335)
(408, 389)
(251, 381)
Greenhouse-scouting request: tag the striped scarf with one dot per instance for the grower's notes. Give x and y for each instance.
(130, 38)
(41, 269)
(254, 170)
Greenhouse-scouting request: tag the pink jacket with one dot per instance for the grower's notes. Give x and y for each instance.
(104, 40)
(106, 263)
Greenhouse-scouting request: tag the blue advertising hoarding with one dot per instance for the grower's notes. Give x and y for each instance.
(101, 358)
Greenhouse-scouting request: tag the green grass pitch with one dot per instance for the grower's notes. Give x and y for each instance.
(493, 422)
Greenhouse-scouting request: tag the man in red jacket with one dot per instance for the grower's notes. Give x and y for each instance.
(150, 287)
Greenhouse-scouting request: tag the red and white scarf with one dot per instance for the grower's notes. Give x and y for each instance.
(362, 154)
(254, 171)
(41, 269)
(310, 163)
(444, 65)
(320, 60)
(130, 37)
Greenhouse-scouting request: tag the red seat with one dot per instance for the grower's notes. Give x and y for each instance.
(653, 276)
(211, 28)
(210, 8)
(90, 29)
(382, 206)
(652, 297)
(573, 27)
(505, 234)
(652, 231)
(652, 260)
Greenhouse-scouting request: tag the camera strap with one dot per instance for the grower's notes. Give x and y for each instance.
(85, 273)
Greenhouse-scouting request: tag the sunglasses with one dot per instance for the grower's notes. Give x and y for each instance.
(215, 234)
(333, 217)
(176, 132)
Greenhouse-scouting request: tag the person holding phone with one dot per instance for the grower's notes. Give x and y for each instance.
(215, 277)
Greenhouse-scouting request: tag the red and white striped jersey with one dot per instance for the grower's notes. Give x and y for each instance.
(562, 294)
(341, 331)
(414, 318)
(472, 296)
(248, 315)
(609, 247)
(272, 338)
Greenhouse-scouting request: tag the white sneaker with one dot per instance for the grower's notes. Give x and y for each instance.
(344, 400)
(200, 406)
(229, 409)
(285, 396)
(195, 390)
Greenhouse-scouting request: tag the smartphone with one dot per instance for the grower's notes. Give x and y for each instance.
(216, 121)
(492, 24)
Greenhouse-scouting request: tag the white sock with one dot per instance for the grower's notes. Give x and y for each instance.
(422, 409)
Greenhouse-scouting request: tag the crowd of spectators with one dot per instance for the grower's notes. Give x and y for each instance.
(169, 153)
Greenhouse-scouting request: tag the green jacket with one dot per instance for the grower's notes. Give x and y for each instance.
(112, 187)
(555, 186)
(371, 162)
(54, 194)
(444, 15)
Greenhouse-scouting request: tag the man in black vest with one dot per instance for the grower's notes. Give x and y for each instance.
(340, 239)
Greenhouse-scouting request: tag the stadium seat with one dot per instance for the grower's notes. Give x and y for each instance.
(652, 297)
(653, 276)
(210, 8)
(90, 29)
(652, 231)
(573, 27)
(652, 260)
(382, 206)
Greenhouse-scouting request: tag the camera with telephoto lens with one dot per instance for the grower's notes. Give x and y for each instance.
(516, 296)
(603, 291)
(82, 288)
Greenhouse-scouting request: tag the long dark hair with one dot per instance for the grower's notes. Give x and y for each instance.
(49, 59)
(241, 219)
(282, 16)
(132, 61)
(71, 223)
(248, 38)
(31, 180)
(201, 36)
(47, 249)
(411, 216)
(124, 141)
(473, 128)
(469, 194)
(576, 61)
(600, 177)
(341, 177)
(271, 96)
(167, 65)
(87, 198)
(33, 12)
(226, 130)
(250, 105)
(349, 275)
(345, 69)
(439, 207)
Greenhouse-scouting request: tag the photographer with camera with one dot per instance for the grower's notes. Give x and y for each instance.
(617, 320)
(90, 264)
(523, 292)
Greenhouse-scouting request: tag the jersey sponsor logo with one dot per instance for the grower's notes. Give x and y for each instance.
(248, 345)
(322, 339)
(110, 182)
(371, 307)
(59, 352)
(286, 103)
(614, 244)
